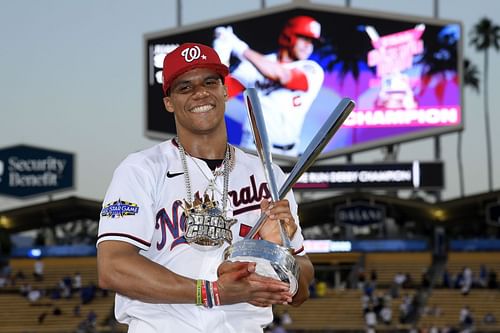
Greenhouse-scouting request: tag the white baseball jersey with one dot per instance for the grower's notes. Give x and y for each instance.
(284, 109)
(143, 207)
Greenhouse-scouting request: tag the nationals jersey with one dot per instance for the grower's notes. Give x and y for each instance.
(284, 109)
(143, 207)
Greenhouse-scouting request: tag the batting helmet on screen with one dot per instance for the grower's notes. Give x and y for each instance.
(299, 26)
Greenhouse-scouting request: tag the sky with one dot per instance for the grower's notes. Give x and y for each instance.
(72, 79)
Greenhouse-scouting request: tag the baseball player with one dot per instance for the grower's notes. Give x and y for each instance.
(286, 81)
(171, 211)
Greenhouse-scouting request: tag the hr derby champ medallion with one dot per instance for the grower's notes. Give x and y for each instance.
(206, 223)
(274, 260)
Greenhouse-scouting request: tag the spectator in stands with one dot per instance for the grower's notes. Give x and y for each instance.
(88, 325)
(68, 282)
(92, 318)
(466, 319)
(77, 281)
(65, 288)
(34, 295)
(405, 307)
(370, 318)
(466, 281)
(386, 314)
(87, 293)
(489, 319)
(368, 290)
(38, 269)
(399, 279)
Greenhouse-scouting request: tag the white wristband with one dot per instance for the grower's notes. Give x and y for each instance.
(239, 47)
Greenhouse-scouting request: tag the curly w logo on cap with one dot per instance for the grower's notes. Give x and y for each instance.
(192, 53)
(189, 56)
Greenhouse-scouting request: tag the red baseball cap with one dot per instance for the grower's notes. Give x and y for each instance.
(189, 56)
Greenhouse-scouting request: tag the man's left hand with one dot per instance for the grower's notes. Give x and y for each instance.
(276, 212)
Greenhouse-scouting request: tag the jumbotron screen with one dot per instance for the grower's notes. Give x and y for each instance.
(403, 73)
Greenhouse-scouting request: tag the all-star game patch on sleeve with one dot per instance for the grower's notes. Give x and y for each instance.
(119, 208)
(127, 212)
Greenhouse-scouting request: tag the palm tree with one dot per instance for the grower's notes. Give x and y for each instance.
(470, 79)
(485, 35)
(440, 59)
(335, 55)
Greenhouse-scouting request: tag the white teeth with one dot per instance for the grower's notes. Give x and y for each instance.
(202, 108)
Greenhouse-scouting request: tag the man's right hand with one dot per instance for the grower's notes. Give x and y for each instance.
(238, 283)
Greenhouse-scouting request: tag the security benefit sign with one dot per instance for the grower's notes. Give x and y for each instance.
(412, 175)
(359, 213)
(27, 171)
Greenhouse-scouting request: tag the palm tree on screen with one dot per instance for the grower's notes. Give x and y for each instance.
(486, 35)
(470, 79)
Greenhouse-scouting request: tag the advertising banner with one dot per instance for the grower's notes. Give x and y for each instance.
(28, 171)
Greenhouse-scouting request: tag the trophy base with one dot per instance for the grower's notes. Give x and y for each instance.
(272, 260)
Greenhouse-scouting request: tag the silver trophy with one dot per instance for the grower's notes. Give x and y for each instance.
(274, 260)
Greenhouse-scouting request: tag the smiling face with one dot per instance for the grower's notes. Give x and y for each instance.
(197, 99)
(303, 48)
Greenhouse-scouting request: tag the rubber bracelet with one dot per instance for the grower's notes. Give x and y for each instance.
(216, 293)
(199, 300)
(212, 298)
(204, 294)
(208, 289)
